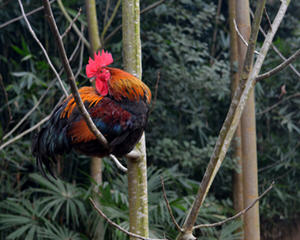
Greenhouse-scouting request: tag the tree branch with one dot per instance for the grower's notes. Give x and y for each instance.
(25, 132)
(168, 206)
(106, 11)
(107, 25)
(280, 67)
(241, 36)
(71, 79)
(21, 17)
(238, 214)
(117, 226)
(276, 50)
(71, 24)
(117, 162)
(28, 130)
(148, 8)
(67, 16)
(234, 114)
(28, 114)
(42, 47)
(278, 103)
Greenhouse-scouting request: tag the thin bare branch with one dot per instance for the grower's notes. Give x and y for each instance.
(277, 50)
(41, 98)
(107, 25)
(146, 9)
(279, 102)
(30, 129)
(71, 24)
(119, 165)
(31, 110)
(106, 11)
(238, 214)
(151, 6)
(24, 133)
(117, 226)
(67, 16)
(268, 18)
(168, 206)
(241, 36)
(21, 17)
(235, 111)
(43, 49)
(71, 79)
(280, 67)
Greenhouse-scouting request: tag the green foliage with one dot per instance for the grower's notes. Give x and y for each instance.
(193, 95)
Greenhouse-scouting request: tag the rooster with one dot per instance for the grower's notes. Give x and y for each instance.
(118, 105)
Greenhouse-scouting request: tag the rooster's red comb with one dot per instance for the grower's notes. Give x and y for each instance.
(100, 60)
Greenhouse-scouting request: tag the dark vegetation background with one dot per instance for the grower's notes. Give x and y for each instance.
(193, 96)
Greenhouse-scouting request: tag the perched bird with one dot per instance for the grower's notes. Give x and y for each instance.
(118, 105)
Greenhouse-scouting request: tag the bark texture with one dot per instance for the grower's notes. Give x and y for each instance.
(248, 132)
(237, 141)
(92, 26)
(137, 167)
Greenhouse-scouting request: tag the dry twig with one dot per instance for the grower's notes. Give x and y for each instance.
(71, 24)
(28, 130)
(279, 102)
(92, 127)
(107, 25)
(117, 162)
(146, 9)
(276, 50)
(70, 75)
(241, 36)
(40, 99)
(238, 214)
(280, 67)
(117, 226)
(42, 47)
(21, 17)
(234, 114)
(67, 16)
(168, 206)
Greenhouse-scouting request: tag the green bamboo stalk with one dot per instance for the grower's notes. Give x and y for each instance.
(93, 26)
(137, 167)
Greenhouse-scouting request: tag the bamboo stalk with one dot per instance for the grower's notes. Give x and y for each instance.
(93, 26)
(237, 180)
(248, 132)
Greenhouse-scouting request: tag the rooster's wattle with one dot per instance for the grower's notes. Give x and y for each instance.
(118, 105)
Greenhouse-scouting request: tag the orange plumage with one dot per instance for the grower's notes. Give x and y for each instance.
(118, 105)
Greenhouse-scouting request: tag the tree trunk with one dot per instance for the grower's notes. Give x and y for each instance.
(137, 167)
(249, 154)
(237, 185)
